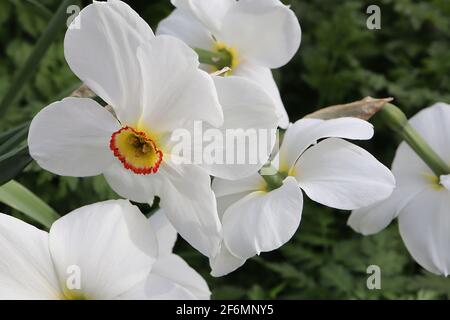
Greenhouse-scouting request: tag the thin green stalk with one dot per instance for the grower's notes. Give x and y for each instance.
(41, 9)
(272, 177)
(30, 66)
(398, 122)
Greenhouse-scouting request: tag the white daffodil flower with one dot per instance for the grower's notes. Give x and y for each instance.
(333, 172)
(258, 35)
(107, 250)
(421, 200)
(155, 88)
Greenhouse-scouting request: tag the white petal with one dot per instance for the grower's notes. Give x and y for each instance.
(408, 164)
(228, 192)
(136, 187)
(26, 268)
(412, 176)
(264, 31)
(224, 262)
(190, 206)
(444, 180)
(175, 269)
(224, 187)
(156, 287)
(223, 203)
(175, 90)
(342, 175)
(306, 132)
(71, 137)
(210, 13)
(263, 221)
(424, 227)
(248, 133)
(437, 134)
(171, 279)
(263, 76)
(376, 217)
(100, 48)
(111, 243)
(182, 25)
(164, 231)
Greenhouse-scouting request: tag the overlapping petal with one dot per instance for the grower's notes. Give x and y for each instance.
(181, 275)
(264, 31)
(224, 262)
(181, 24)
(306, 132)
(136, 187)
(263, 76)
(263, 221)
(71, 137)
(100, 48)
(210, 13)
(224, 187)
(423, 225)
(412, 176)
(342, 175)
(174, 89)
(111, 244)
(26, 268)
(165, 233)
(436, 134)
(248, 134)
(191, 210)
(229, 192)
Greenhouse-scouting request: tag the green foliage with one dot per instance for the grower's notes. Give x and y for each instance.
(20, 198)
(339, 61)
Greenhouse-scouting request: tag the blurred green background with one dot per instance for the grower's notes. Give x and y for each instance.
(339, 61)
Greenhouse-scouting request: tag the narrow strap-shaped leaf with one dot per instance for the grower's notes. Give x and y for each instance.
(16, 196)
(5, 136)
(30, 66)
(41, 9)
(14, 141)
(12, 163)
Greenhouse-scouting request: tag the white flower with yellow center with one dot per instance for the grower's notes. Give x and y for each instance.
(258, 218)
(154, 86)
(107, 250)
(258, 35)
(421, 199)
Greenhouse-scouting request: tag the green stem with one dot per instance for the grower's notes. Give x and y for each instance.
(155, 207)
(41, 9)
(30, 66)
(274, 180)
(398, 122)
(218, 59)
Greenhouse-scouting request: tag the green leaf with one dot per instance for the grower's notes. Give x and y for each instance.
(20, 198)
(40, 9)
(5, 136)
(14, 141)
(12, 163)
(30, 67)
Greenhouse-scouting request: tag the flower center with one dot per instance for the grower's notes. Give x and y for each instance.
(73, 295)
(232, 62)
(136, 151)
